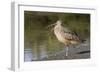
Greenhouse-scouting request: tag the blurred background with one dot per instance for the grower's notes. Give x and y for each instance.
(41, 44)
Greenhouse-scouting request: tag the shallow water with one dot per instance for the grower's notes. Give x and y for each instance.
(43, 45)
(81, 51)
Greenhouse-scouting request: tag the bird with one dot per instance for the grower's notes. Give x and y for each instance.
(65, 35)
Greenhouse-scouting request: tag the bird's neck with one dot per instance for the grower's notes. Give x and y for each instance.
(58, 25)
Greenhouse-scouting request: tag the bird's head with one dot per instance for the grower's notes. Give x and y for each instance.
(58, 22)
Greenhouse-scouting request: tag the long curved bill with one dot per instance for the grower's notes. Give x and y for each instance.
(50, 25)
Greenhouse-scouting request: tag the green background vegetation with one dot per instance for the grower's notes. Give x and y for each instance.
(36, 33)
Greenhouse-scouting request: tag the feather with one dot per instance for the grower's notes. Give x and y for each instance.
(70, 35)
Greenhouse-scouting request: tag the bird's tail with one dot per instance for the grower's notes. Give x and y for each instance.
(79, 38)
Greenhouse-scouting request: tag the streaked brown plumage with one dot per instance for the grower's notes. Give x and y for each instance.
(64, 35)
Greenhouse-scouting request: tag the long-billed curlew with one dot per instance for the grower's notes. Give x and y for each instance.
(65, 36)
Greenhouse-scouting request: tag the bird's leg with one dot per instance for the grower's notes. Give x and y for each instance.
(66, 50)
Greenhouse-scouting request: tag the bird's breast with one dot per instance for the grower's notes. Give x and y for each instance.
(58, 34)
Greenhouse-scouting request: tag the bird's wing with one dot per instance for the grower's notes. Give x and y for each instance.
(71, 35)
